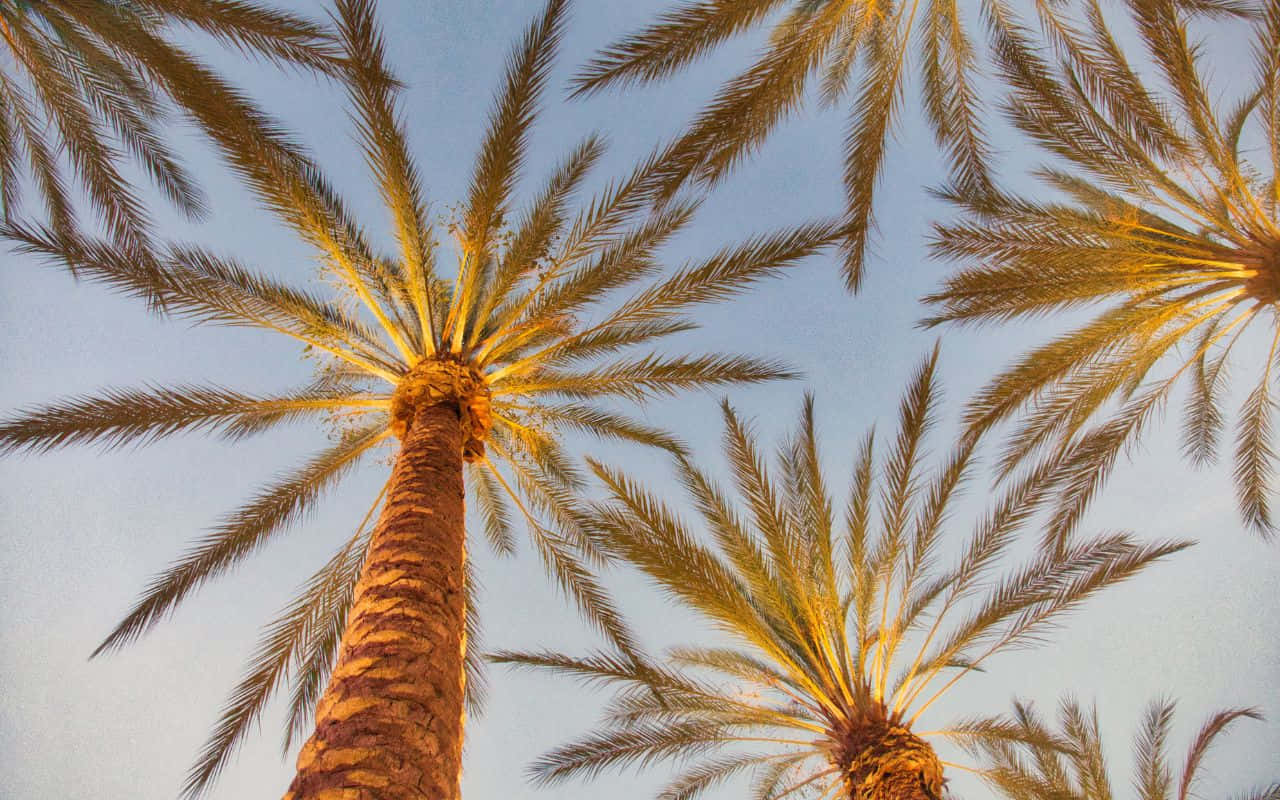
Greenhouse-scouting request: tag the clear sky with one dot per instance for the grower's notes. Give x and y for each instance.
(83, 530)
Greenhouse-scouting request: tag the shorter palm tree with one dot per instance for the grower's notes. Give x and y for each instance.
(1068, 764)
(849, 637)
(89, 78)
(1164, 222)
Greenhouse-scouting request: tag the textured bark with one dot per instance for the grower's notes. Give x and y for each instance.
(883, 761)
(389, 725)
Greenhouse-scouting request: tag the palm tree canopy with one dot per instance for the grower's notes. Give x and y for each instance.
(848, 626)
(845, 48)
(89, 78)
(1162, 219)
(1068, 763)
(528, 335)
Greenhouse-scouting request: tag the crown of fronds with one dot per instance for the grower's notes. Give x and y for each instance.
(89, 79)
(532, 308)
(1164, 220)
(1068, 764)
(840, 621)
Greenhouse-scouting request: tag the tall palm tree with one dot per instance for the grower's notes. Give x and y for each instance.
(1068, 764)
(1161, 219)
(476, 374)
(89, 78)
(830, 44)
(848, 632)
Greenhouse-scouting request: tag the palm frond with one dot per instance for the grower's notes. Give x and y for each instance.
(651, 376)
(256, 29)
(119, 417)
(1209, 732)
(950, 96)
(386, 152)
(243, 532)
(90, 80)
(866, 140)
(327, 594)
(502, 152)
(679, 37)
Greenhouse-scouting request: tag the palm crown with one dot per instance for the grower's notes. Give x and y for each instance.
(826, 41)
(1164, 219)
(89, 77)
(1068, 763)
(850, 631)
(507, 336)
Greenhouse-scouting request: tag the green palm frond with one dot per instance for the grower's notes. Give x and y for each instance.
(1039, 763)
(546, 310)
(828, 43)
(76, 81)
(1161, 220)
(836, 631)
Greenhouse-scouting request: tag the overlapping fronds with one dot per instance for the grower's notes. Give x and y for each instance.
(80, 79)
(840, 620)
(827, 45)
(549, 318)
(1069, 764)
(1161, 219)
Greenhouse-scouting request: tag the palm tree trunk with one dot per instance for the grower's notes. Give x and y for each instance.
(888, 762)
(389, 725)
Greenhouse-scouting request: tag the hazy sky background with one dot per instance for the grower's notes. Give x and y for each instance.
(83, 531)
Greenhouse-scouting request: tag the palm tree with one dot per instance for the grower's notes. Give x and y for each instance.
(481, 374)
(1162, 220)
(846, 637)
(833, 44)
(89, 78)
(1069, 764)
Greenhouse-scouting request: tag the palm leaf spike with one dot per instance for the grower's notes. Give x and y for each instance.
(74, 83)
(1069, 762)
(837, 650)
(495, 358)
(1161, 217)
(834, 43)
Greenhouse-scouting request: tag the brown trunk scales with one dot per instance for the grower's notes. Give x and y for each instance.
(389, 725)
(883, 761)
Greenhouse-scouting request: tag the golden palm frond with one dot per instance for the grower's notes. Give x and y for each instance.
(542, 326)
(1068, 764)
(75, 81)
(847, 632)
(1161, 216)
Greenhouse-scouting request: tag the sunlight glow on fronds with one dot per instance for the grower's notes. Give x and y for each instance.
(839, 632)
(542, 319)
(1162, 221)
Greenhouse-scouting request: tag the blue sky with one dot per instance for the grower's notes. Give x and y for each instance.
(84, 530)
